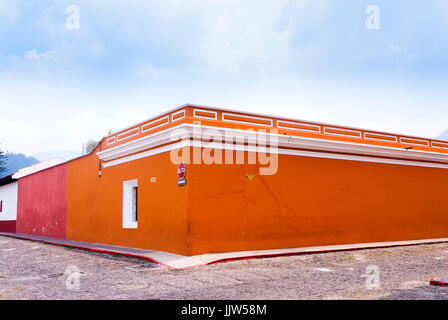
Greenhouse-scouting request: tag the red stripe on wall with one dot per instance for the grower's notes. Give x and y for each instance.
(8, 226)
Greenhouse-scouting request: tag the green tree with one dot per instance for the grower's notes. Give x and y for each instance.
(89, 146)
(2, 162)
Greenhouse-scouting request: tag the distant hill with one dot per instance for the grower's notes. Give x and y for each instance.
(16, 161)
(444, 135)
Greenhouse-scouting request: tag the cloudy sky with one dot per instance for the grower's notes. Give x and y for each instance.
(306, 59)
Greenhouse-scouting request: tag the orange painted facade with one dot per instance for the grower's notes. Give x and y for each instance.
(314, 202)
(334, 185)
(94, 204)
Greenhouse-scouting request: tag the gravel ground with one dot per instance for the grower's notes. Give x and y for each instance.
(32, 270)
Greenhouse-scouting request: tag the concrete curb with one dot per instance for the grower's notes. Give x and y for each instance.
(175, 261)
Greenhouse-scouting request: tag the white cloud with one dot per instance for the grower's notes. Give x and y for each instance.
(34, 55)
(395, 48)
(249, 55)
(220, 36)
(9, 10)
(46, 116)
(443, 5)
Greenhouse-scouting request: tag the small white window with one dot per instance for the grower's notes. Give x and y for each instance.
(130, 204)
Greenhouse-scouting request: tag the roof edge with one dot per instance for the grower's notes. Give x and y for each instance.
(272, 116)
(7, 180)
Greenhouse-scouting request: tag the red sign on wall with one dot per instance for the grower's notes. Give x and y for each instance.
(181, 170)
(181, 174)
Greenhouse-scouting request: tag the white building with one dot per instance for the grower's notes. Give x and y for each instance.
(8, 204)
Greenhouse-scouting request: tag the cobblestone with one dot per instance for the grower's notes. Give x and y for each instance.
(32, 270)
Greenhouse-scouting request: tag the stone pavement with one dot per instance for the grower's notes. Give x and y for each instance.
(36, 270)
(176, 261)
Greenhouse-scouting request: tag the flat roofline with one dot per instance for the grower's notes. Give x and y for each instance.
(270, 116)
(154, 117)
(7, 180)
(38, 167)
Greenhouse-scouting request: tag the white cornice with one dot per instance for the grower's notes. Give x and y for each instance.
(147, 142)
(312, 154)
(293, 143)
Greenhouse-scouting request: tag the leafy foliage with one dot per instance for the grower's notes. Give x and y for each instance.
(89, 146)
(2, 162)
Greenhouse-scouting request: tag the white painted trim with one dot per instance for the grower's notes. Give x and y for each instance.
(140, 139)
(224, 114)
(298, 124)
(363, 159)
(130, 136)
(281, 118)
(276, 117)
(145, 154)
(157, 126)
(176, 113)
(114, 138)
(415, 144)
(341, 146)
(207, 111)
(341, 134)
(381, 135)
(149, 141)
(128, 223)
(439, 147)
(312, 154)
(287, 141)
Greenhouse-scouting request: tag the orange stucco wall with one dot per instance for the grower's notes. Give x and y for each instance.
(94, 204)
(308, 202)
(312, 202)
